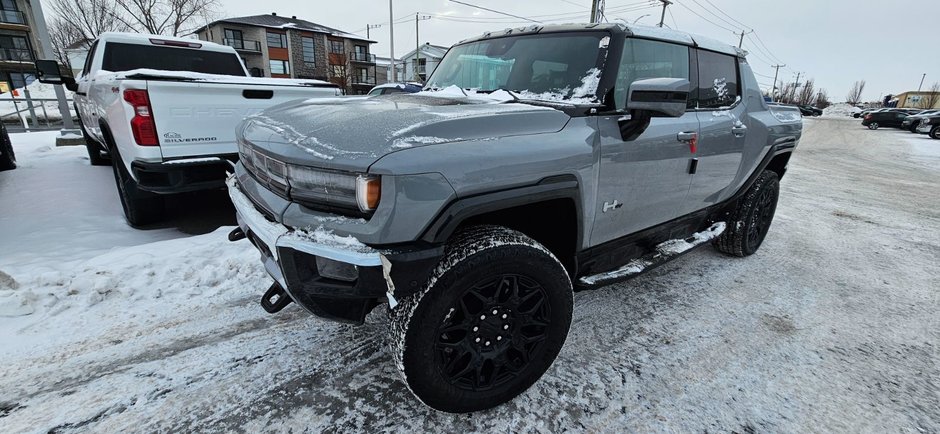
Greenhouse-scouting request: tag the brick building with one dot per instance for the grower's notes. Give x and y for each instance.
(276, 46)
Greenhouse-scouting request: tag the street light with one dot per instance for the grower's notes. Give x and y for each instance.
(640, 18)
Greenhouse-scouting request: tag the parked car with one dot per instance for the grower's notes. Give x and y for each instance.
(7, 157)
(162, 111)
(528, 167)
(930, 125)
(808, 110)
(913, 121)
(391, 88)
(887, 118)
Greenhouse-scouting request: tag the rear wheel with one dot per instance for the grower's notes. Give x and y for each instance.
(914, 126)
(490, 322)
(7, 157)
(751, 218)
(95, 150)
(140, 207)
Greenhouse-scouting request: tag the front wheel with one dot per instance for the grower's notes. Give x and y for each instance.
(490, 322)
(873, 126)
(751, 218)
(7, 157)
(935, 133)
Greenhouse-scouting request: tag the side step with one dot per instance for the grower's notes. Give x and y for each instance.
(663, 253)
(275, 298)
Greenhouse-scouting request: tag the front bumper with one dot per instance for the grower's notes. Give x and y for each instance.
(924, 128)
(180, 176)
(290, 257)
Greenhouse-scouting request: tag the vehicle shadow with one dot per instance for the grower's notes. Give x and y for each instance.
(197, 213)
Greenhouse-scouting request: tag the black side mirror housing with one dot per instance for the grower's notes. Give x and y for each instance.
(47, 71)
(662, 96)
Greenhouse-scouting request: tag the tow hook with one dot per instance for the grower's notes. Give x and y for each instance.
(237, 234)
(275, 298)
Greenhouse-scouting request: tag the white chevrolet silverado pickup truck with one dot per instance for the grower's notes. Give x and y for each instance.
(162, 111)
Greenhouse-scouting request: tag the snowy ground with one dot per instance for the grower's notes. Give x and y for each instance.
(832, 326)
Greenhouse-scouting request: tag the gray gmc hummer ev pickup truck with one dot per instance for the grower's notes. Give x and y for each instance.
(537, 161)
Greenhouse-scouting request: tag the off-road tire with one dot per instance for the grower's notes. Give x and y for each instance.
(140, 207)
(935, 132)
(7, 157)
(436, 324)
(749, 222)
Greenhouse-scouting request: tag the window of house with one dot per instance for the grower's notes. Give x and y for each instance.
(277, 40)
(718, 79)
(337, 47)
(233, 38)
(363, 74)
(15, 48)
(9, 13)
(279, 67)
(307, 47)
(338, 70)
(643, 58)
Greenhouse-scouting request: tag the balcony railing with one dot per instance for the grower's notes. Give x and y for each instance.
(358, 79)
(16, 55)
(356, 56)
(12, 17)
(243, 44)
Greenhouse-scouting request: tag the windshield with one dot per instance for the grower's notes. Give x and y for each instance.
(560, 66)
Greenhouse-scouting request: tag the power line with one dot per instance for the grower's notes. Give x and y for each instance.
(702, 17)
(714, 14)
(494, 11)
(745, 26)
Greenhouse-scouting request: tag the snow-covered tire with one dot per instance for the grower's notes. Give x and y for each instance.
(447, 333)
(749, 222)
(94, 149)
(935, 133)
(140, 207)
(7, 157)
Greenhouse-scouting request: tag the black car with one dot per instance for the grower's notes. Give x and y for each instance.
(930, 125)
(808, 110)
(887, 118)
(913, 121)
(7, 159)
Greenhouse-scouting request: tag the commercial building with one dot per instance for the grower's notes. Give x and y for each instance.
(19, 47)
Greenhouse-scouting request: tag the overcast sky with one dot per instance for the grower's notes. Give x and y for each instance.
(888, 43)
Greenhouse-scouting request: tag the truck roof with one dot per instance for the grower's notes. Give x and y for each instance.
(148, 39)
(646, 32)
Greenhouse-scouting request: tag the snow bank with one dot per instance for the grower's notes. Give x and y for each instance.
(841, 110)
(37, 90)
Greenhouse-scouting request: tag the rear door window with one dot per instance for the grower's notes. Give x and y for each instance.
(125, 57)
(644, 58)
(718, 84)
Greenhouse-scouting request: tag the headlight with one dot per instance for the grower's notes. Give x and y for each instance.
(347, 190)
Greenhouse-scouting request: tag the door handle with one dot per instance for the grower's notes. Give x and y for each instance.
(690, 138)
(739, 130)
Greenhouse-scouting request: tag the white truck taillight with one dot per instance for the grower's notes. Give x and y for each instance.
(142, 124)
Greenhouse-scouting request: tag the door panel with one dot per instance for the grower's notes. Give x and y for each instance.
(649, 176)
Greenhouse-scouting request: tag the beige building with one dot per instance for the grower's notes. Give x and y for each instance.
(288, 47)
(919, 100)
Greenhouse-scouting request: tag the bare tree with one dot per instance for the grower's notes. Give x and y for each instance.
(165, 17)
(84, 20)
(822, 99)
(932, 97)
(807, 93)
(787, 93)
(855, 94)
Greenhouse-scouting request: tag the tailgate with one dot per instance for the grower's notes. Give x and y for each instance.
(199, 118)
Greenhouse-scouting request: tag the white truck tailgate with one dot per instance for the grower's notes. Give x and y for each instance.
(199, 118)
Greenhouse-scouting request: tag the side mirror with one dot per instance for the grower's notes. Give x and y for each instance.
(666, 96)
(47, 71)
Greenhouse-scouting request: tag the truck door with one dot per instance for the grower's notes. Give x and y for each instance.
(722, 116)
(643, 182)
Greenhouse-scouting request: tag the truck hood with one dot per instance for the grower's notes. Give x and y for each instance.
(351, 133)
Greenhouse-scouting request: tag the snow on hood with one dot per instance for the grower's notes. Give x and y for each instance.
(352, 133)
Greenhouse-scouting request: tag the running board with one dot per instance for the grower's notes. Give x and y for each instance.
(663, 253)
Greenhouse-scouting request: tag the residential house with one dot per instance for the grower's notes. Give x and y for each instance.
(276, 46)
(383, 70)
(19, 47)
(418, 64)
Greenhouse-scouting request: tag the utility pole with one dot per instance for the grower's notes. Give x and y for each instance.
(46, 43)
(741, 41)
(777, 72)
(370, 27)
(921, 82)
(597, 11)
(797, 83)
(391, 42)
(418, 17)
(663, 17)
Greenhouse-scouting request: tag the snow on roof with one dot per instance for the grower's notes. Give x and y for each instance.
(435, 51)
(145, 39)
(278, 22)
